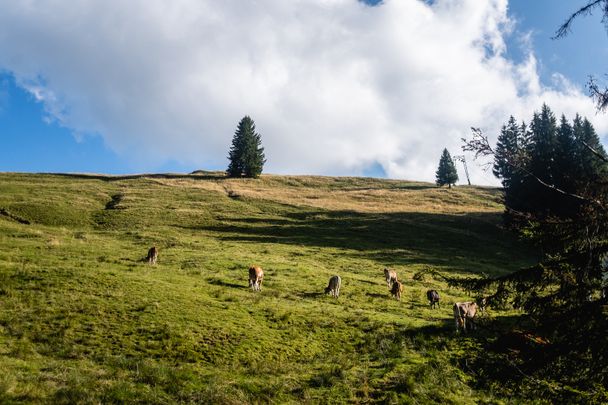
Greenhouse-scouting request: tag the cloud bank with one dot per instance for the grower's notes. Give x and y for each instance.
(335, 86)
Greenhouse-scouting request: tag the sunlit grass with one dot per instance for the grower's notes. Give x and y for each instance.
(84, 319)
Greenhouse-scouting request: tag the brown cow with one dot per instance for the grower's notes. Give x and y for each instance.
(256, 275)
(391, 277)
(464, 312)
(397, 289)
(152, 255)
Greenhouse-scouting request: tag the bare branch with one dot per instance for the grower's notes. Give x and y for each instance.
(480, 145)
(564, 29)
(595, 152)
(598, 94)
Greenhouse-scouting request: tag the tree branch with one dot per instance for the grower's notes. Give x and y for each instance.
(598, 94)
(564, 29)
(595, 152)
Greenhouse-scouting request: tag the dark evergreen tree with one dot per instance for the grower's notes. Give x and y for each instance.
(507, 149)
(540, 164)
(446, 172)
(565, 210)
(564, 154)
(512, 147)
(543, 143)
(565, 294)
(588, 144)
(246, 156)
(564, 169)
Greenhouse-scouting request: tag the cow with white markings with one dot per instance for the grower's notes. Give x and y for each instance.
(152, 256)
(391, 277)
(256, 275)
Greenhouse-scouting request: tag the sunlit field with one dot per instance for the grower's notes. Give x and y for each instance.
(83, 319)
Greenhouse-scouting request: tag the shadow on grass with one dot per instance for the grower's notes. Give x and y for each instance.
(483, 354)
(472, 242)
(222, 283)
(313, 294)
(376, 295)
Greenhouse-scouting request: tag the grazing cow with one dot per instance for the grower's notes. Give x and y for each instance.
(464, 313)
(391, 277)
(433, 297)
(334, 286)
(397, 289)
(152, 255)
(256, 274)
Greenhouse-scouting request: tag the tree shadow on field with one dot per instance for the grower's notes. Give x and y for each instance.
(453, 240)
(215, 281)
(479, 353)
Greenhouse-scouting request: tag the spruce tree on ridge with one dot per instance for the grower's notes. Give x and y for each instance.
(446, 172)
(246, 156)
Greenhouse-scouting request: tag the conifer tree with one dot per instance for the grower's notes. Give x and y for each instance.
(506, 151)
(246, 156)
(543, 143)
(446, 172)
(591, 169)
(511, 148)
(541, 164)
(564, 170)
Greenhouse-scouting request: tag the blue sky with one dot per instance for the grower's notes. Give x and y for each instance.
(40, 134)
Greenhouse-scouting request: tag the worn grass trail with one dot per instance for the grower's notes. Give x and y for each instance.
(84, 319)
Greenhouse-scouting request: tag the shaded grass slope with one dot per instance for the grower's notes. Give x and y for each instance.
(83, 319)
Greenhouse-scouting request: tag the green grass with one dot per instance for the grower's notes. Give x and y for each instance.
(83, 319)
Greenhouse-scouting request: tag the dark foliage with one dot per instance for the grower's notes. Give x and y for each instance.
(246, 154)
(555, 182)
(446, 172)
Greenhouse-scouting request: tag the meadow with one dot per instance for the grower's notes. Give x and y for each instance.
(84, 320)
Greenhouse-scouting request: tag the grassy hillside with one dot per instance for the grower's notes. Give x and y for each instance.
(83, 319)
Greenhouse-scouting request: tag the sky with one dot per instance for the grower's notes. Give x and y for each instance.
(336, 87)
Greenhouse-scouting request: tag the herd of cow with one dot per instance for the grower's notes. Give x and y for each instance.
(464, 312)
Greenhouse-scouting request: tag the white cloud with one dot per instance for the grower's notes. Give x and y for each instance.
(333, 85)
